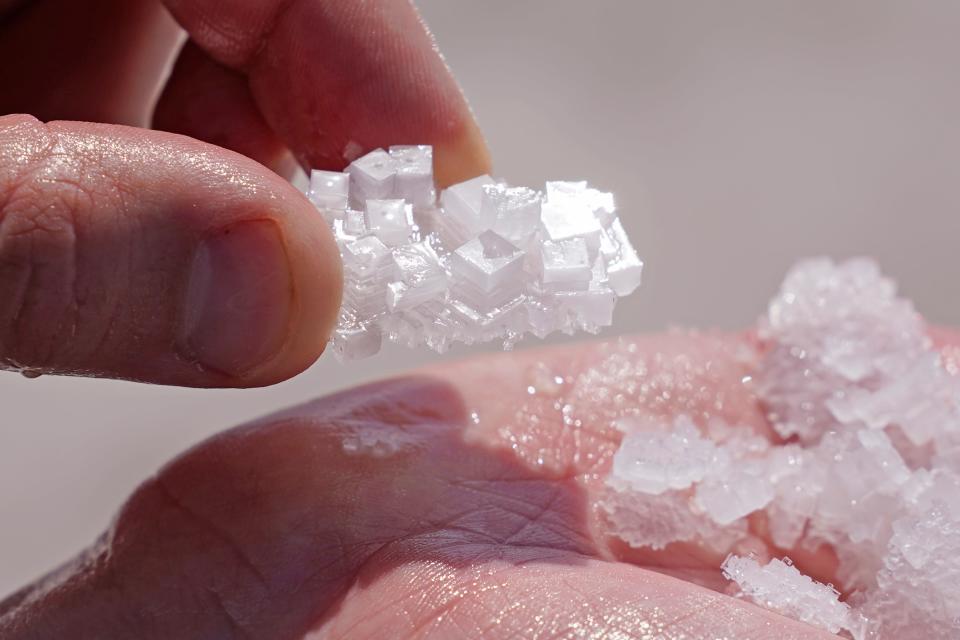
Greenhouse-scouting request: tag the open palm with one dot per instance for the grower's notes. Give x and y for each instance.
(460, 501)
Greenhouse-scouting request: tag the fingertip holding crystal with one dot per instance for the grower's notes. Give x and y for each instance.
(479, 262)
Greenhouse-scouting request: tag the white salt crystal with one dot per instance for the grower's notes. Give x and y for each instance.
(735, 492)
(566, 219)
(846, 351)
(655, 521)
(779, 586)
(488, 262)
(587, 310)
(329, 190)
(461, 205)
(918, 588)
(389, 220)
(372, 176)
(355, 342)
(655, 460)
(513, 212)
(600, 203)
(566, 264)
(624, 268)
(414, 174)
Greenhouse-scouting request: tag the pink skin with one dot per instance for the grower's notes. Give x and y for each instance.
(484, 527)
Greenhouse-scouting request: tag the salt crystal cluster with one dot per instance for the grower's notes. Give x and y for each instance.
(484, 261)
(782, 588)
(869, 466)
(845, 350)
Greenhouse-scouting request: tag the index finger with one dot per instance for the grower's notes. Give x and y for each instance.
(338, 78)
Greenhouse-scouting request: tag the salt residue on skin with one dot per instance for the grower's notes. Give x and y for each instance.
(376, 441)
(562, 421)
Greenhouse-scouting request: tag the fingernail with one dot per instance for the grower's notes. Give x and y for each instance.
(239, 298)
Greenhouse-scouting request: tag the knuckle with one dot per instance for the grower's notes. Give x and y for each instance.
(38, 276)
(36, 280)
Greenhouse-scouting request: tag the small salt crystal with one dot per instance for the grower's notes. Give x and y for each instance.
(735, 492)
(389, 220)
(655, 521)
(414, 179)
(372, 176)
(329, 190)
(488, 262)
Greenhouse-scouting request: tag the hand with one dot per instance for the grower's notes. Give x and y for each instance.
(150, 256)
(390, 511)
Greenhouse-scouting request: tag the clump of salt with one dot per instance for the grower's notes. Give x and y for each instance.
(844, 350)
(872, 467)
(780, 587)
(484, 262)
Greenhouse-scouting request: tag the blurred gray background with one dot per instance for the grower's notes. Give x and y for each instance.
(738, 136)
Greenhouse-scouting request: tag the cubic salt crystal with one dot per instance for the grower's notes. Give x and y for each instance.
(779, 586)
(372, 176)
(461, 205)
(589, 310)
(329, 190)
(488, 262)
(389, 220)
(513, 212)
(353, 223)
(566, 264)
(624, 269)
(414, 179)
(566, 219)
(356, 342)
(365, 256)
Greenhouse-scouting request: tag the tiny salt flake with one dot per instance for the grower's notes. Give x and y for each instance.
(481, 261)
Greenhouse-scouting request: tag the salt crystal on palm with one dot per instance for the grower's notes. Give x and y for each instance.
(779, 586)
(655, 460)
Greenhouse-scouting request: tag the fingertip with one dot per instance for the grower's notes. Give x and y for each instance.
(461, 157)
(316, 287)
(208, 101)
